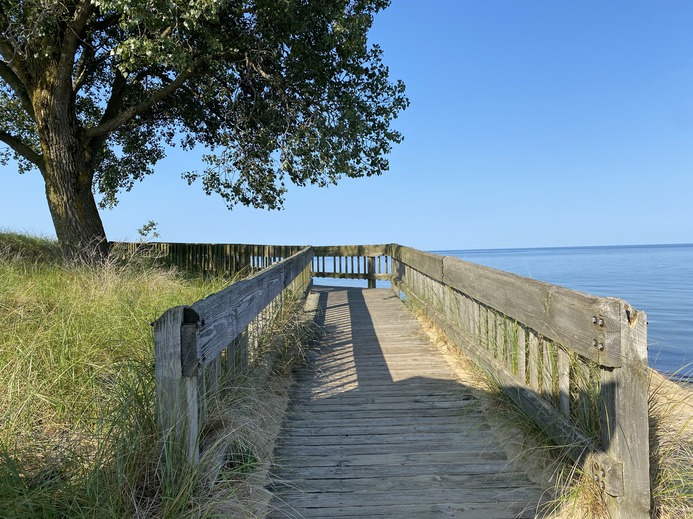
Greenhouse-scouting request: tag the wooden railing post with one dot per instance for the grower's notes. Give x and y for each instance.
(624, 416)
(371, 271)
(175, 371)
(189, 341)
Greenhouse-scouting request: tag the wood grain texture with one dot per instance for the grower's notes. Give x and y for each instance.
(625, 426)
(350, 250)
(228, 312)
(429, 264)
(176, 395)
(379, 426)
(587, 324)
(558, 313)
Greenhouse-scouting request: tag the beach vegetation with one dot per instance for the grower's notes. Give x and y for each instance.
(78, 436)
(93, 93)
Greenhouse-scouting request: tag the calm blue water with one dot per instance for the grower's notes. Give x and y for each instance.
(655, 278)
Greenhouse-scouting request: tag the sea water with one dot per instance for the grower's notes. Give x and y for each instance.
(655, 278)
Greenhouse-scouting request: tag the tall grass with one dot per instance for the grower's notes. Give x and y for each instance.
(671, 447)
(78, 438)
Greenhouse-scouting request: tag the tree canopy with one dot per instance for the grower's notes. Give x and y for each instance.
(93, 91)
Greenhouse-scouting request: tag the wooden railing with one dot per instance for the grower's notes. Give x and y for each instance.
(367, 262)
(210, 258)
(576, 364)
(196, 345)
(370, 262)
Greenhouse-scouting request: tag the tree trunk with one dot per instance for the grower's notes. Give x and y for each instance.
(75, 216)
(68, 177)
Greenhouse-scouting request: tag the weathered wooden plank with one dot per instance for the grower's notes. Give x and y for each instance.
(407, 439)
(228, 312)
(476, 447)
(533, 367)
(462, 483)
(328, 500)
(500, 339)
(522, 353)
(563, 381)
(176, 395)
(215, 257)
(412, 426)
(376, 415)
(416, 511)
(429, 264)
(349, 275)
(371, 271)
(350, 250)
(412, 460)
(576, 320)
(624, 415)
(547, 370)
(441, 469)
(354, 419)
(431, 390)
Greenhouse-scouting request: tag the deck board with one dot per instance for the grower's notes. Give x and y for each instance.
(380, 426)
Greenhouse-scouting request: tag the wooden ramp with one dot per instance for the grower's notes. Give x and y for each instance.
(380, 427)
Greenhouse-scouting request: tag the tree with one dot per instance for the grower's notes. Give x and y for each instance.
(93, 91)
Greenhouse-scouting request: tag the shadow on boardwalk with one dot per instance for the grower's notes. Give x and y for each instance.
(379, 426)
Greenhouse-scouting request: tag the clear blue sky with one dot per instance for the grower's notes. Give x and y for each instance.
(533, 123)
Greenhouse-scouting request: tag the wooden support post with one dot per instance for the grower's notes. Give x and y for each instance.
(371, 271)
(176, 382)
(563, 381)
(625, 428)
(522, 353)
(533, 363)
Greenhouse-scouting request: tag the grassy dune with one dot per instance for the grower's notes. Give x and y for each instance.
(77, 438)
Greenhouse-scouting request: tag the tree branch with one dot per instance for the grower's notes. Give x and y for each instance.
(105, 22)
(108, 125)
(80, 74)
(7, 50)
(72, 39)
(17, 85)
(22, 149)
(118, 90)
(87, 65)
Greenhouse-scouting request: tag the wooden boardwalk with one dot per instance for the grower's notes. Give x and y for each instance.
(379, 426)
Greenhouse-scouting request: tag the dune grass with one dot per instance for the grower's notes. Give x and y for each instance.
(78, 437)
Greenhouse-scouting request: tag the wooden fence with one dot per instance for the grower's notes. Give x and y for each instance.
(369, 262)
(576, 364)
(209, 258)
(194, 346)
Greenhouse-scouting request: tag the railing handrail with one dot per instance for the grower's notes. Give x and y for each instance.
(467, 299)
(587, 324)
(188, 339)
